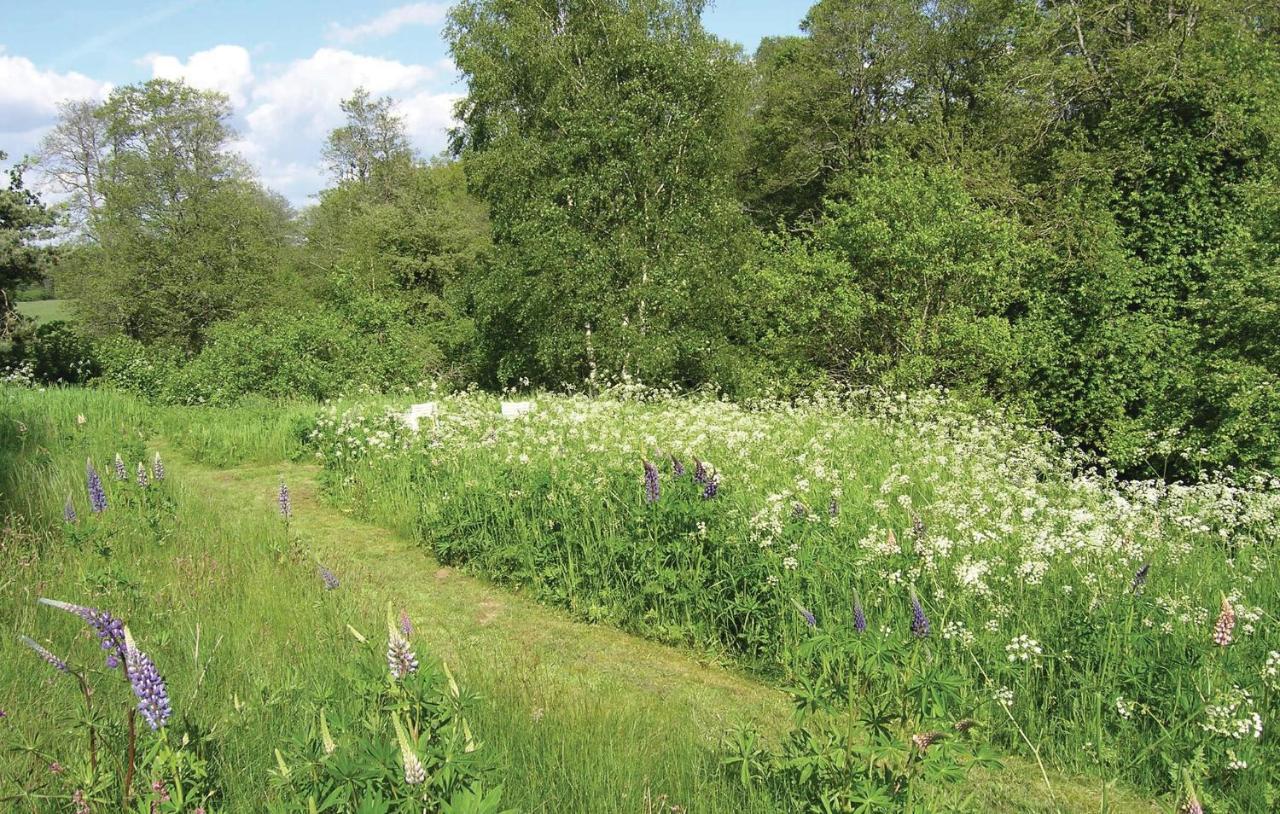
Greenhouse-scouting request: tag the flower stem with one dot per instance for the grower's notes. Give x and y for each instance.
(132, 757)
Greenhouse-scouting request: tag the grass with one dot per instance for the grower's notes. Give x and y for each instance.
(43, 311)
(1075, 613)
(573, 716)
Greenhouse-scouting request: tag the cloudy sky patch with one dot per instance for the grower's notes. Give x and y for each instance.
(284, 64)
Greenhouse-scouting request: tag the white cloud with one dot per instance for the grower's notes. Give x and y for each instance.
(291, 113)
(224, 68)
(302, 100)
(427, 117)
(389, 22)
(282, 113)
(29, 96)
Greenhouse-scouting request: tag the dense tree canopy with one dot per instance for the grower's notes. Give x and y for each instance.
(602, 136)
(1067, 205)
(182, 235)
(22, 259)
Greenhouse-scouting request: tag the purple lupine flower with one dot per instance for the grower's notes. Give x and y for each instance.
(919, 622)
(406, 624)
(157, 468)
(53, 661)
(148, 685)
(286, 506)
(3, 715)
(809, 618)
(330, 580)
(142, 475)
(69, 512)
(711, 489)
(651, 488)
(917, 527)
(1226, 624)
(121, 472)
(833, 508)
(859, 617)
(97, 496)
(699, 471)
(923, 740)
(677, 468)
(110, 630)
(401, 660)
(1140, 578)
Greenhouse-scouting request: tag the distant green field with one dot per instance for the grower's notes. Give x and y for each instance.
(46, 310)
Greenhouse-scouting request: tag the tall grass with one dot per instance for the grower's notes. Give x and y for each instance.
(1079, 610)
(242, 629)
(241, 632)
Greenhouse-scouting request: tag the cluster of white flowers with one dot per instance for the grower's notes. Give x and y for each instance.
(1271, 671)
(20, 375)
(1023, 648)
(1003, 696)
(956, 631)
(1233, 716)
(1125, 708)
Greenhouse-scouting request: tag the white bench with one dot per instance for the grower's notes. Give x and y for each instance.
(512, 410)
(416, 412)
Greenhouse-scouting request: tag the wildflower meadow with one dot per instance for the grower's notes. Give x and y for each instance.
(1012, 588)
(858, 602)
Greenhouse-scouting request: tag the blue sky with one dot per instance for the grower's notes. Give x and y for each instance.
(284, 63)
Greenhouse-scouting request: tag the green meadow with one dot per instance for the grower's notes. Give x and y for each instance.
(641, 406)
(42, 311)
(615, 653)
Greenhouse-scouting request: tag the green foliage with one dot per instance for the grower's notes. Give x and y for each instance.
(183, 238)
(22, 221)
(827, 101)
(281, 353)
(411, 238)
(904, 280)
(350, 758)
(56, 352)
(876, 721)
(602, 137)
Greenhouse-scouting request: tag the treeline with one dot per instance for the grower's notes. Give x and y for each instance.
(1066, 205)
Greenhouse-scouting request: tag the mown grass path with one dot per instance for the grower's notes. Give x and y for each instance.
(579, 717)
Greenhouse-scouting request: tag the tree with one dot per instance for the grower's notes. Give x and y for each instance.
(371, 142)
(602, 135)
(414, 240)
(22, 259)
(73, 154)
(904, 280)
(184, 236)
(828, 101)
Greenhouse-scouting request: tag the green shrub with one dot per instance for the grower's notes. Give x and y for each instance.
(905, 280)
(137, 368)
(313, 353)
(56, 353)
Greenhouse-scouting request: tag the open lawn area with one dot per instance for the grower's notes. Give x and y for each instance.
(43, 311)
